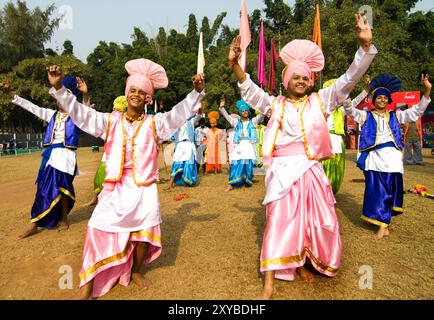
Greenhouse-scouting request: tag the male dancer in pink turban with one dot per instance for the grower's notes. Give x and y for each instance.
(301, 219)
(124, 230)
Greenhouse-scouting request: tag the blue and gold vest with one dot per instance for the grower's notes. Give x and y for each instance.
(369, 131)
(71, 133)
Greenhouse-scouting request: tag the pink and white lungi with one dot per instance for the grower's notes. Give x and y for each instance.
(301, 223)
(108, 255)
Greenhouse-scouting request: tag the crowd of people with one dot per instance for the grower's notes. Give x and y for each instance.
(301, 146)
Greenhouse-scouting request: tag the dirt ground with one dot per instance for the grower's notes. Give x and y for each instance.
(212, 240)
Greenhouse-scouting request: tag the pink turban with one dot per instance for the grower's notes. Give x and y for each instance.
(146, 75)
(302, 57)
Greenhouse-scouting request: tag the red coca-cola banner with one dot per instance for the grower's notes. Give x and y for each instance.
(399, 98)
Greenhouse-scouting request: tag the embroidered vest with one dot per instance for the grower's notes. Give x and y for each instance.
(369, 131)
(144, 150)
(72, 133)
(239, 132)
(316, 138)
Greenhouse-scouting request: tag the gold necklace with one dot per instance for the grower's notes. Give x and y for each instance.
(132, 120)
(299, 100)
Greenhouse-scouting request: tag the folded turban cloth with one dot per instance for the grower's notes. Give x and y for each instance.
(302, 57)
(242, 105)
(146, 75)
(120, 104)
(213, 116)
(384, 84)
(328, 83)
(70, 83)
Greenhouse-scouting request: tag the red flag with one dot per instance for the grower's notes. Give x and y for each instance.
(316, 37)
(274, 57)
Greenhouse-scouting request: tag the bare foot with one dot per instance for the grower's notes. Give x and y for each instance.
(266, 293)
(63, 226)
(140, 280)
(30, 230)
(305, 274)
(84, 294)
(229, 188)
(382, 232)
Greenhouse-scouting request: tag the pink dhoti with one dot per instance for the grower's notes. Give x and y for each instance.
(108, 255)
(302, 223)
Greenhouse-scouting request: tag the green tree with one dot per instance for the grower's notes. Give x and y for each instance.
(68, 48)
(23, 32)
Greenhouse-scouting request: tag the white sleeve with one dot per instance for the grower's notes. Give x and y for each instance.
(167, 123)
(255, 97)
(350, 110)
(340, 90)
(84, 117)
(41, 113)
(233, 122)
(413, 114)
(256, 120)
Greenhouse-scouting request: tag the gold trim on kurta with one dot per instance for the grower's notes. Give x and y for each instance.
(398, 209)
(278, 126)
(108, 126)
(299, 258)
(124, 145)
(377, 223)
(321, 105)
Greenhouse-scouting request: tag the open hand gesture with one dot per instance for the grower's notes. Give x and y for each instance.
(235, 50)
(55, 76)
(363, 31)
(199, 82)
(82, 86)
(424, 81)
(222, 102)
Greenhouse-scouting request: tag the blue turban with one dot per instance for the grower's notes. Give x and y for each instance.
(385, 84)
(70, 83)
(242, 105)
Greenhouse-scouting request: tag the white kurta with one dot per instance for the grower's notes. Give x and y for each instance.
(244, 150)
(387, 159)
(284, 171)
(62, 159)
(185, 148)
(128, 207)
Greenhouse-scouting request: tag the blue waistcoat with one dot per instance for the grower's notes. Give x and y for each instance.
(368, 134)
(239, 132)
(71, 133)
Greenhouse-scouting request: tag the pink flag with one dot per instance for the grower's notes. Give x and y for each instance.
(274, 57)
(245, 35)
(262, 58)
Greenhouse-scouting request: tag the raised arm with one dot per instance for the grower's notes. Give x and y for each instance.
(86, 118)
(350, 109)
(257, 98)
(413, 114)
(340, 90)
(41, 113)
(256, 120)
(233, 122)
(167, 123)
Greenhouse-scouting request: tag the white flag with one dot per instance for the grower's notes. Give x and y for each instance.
(200, 56)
